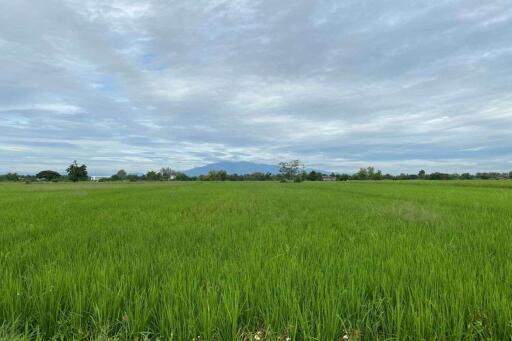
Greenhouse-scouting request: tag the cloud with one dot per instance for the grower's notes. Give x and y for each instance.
(401, 85)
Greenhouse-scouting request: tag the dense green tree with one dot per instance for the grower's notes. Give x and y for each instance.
(342, 177)
(439, 176)
(257, 176)
(183, 177)
(121, 174)
(135, 177)
(314, 176)
(152, 176)
(76, 172)
(466, 176)
(48, 175)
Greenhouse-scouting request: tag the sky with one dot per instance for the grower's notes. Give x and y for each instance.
(398, 84)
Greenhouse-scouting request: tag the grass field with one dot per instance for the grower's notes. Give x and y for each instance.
(222, 261)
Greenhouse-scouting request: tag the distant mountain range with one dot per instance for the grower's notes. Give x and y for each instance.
(238, 167)
(232, 167)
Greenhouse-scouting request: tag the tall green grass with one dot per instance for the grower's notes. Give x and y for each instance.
(225, 261)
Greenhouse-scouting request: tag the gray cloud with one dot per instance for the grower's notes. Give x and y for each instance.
(398, 84)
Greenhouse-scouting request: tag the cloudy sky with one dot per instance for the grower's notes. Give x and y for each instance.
(398, 84)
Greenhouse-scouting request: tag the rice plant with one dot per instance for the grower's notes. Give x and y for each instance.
(256, 261)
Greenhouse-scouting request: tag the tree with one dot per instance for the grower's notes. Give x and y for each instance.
(134, 177)
(152, 176)
(314, 176)
(421, 174)
(342, 177)
(362, 174)
(48, 175)
(12, 177)
(77, 173)
(214, 175)
(466, 176)
(182, 177)
(290, 170)
(439, 176)
(166, 173)
(121, 174)
(368, 173)
(370, 170)
(372, 174)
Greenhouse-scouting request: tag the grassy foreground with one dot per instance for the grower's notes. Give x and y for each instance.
(257, 261)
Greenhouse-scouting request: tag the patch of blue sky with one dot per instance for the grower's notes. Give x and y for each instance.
(149, 61)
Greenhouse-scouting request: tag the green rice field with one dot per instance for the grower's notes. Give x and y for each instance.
(256, 261)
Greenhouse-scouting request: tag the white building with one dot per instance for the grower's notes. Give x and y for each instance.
(98, 177)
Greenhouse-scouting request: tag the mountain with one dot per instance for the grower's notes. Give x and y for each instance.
(232, 167)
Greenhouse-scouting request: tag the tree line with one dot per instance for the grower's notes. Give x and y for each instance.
(292, 171)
